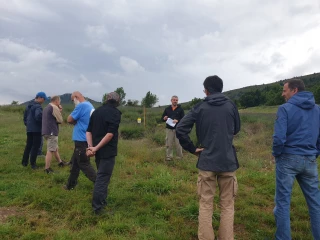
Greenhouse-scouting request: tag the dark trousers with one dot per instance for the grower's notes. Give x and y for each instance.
(31, 149)
(40, 148)
(100, 192)
(80, 161)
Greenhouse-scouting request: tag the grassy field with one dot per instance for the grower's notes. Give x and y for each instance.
(150, 199)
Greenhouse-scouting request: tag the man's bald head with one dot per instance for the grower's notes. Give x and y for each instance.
(77, 97)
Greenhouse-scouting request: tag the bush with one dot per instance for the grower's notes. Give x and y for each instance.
(131, 131)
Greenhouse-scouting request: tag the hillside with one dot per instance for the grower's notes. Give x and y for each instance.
(310, 81)
(66, 99)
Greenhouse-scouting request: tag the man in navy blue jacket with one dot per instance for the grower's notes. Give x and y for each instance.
(32, 119)
(296, 145)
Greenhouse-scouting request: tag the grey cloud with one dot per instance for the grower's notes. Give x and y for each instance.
(166, 47)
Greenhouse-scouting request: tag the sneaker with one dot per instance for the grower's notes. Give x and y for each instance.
(49, 171)
(34, 167)
(62, 164)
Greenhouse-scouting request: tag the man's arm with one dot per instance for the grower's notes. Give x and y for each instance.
(25, 116)
(75, 115)
(89, 133)
(38, 114)
(70, 120)
(57, 114)
(318, 141)
(280, 131)
(184, 128)
(104, 141)
(237, 122)
(164, 115)
(113, 127)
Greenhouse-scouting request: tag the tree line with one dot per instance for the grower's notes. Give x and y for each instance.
(149, 100)
(270, 96)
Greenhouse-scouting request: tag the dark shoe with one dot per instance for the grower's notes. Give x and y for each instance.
(23, 164)
(34, 167)
(62, 164)
(49, 171)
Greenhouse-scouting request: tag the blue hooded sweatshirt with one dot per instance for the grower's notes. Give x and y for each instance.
(33, 117)
(296, 130)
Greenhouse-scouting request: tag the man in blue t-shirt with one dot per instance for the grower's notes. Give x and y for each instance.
(80, 118)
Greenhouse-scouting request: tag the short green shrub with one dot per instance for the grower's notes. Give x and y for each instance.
(131, 131)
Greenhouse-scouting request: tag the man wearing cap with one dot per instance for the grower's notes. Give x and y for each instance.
(80, 118)
(32, 119)
(51, 119)
(102, 138)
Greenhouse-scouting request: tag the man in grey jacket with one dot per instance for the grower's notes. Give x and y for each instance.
(217, 121)
(51, 118)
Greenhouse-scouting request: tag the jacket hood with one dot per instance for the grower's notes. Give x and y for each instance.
(33, 103)
(216, 99)
(303, 100)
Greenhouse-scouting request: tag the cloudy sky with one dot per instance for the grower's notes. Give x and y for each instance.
(167, 47)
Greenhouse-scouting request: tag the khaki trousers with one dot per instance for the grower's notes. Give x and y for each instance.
(170, 140)
(206, 187)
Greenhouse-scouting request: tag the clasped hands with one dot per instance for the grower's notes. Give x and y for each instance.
(91, 151)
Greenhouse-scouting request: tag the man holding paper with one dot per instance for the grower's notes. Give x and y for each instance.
(172, 115)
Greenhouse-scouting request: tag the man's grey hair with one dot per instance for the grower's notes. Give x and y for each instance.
(174, 96)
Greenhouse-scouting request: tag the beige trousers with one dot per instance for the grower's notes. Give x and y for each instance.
(206, 187)
(170, 140)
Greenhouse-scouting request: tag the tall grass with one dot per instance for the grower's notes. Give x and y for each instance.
(149, 198)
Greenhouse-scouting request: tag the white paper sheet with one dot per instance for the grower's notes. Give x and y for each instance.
(170, 122)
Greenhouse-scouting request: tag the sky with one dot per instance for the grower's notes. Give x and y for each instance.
(167, 47)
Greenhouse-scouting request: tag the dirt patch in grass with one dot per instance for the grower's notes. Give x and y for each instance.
(6, 212)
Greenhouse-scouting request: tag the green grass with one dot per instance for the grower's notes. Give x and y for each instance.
(150, 199)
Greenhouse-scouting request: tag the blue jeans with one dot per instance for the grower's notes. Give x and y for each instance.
(305, 170)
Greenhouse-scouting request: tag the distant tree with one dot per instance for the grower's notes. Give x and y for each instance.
(132, 103)
(14, 102)
(316, 94)
(121, 93)
(195, 100)
(149, 100)
(250, 99)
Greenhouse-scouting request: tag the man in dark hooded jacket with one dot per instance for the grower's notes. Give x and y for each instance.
(32, 119)
(296, 145)
(217, 121)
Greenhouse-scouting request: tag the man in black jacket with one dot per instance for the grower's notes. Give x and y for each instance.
(102, 138)
(32, 119)
(172, 115)
(217, 121)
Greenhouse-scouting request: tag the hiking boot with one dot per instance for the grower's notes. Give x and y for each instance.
(62, 164)
(49, 171)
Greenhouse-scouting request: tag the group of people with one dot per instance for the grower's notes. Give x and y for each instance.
(296, 145)
(95, 133)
